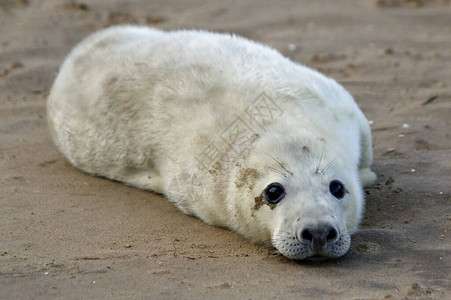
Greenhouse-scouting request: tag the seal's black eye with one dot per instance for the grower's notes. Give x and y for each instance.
(274, 193)
(337, 189)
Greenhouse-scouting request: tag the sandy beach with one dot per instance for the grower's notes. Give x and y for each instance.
(67, 235)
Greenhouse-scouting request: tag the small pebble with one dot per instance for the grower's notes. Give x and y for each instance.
(413, 170)
(371, 122)
(441, 193)
(291, 47)
(405, 126)
(46, 273)
(387, 51)
(16, 65)
(401, 135)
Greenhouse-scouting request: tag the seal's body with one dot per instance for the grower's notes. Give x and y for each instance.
(227, 129)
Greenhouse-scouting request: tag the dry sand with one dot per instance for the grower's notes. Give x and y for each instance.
(65, 234)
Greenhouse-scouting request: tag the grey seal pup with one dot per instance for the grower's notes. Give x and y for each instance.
(229, 130)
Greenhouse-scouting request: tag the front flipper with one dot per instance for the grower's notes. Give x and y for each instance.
(146, 180)
(367, 177)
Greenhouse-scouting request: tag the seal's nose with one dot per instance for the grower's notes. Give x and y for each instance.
(319, 236)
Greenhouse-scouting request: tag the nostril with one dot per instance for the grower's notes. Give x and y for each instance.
(332, 235)
(315, 237)
(306, 235)
(319, 235)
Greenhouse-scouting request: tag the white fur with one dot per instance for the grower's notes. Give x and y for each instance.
(143, 106)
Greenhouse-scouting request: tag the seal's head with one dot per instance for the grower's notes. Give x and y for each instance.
(302, 195)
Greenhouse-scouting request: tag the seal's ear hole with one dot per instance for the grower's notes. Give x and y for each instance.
(274, 193)
(337, 188)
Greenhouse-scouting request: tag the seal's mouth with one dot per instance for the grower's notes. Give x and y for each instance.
(289, 246)
(317, 257)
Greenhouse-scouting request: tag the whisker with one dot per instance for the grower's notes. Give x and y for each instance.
(276, 170)
(330, 164)
(279, 163)
(283, 234)
(321, 158)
